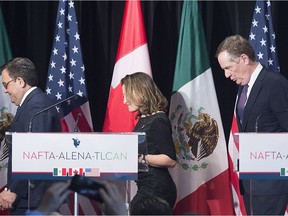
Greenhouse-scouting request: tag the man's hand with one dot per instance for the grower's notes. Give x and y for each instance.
(7, 198)
(113, 202)
(54, 197)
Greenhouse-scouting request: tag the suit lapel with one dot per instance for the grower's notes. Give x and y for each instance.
(21, 108)
(237, 116)
(253, 96)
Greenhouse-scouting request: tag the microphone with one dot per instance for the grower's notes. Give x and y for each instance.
(256, 123)
(47, 108)
(266, 112)
(76, 129)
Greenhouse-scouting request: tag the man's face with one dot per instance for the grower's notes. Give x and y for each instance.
(235, 70)
(13, 88)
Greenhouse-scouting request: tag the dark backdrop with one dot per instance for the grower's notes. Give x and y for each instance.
(31, 25)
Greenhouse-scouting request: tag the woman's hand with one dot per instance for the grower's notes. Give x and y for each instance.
(159, 160)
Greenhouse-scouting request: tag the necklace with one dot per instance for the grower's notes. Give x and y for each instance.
(152, 113)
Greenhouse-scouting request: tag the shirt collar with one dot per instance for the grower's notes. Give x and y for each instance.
(26, 94)
(253, 77)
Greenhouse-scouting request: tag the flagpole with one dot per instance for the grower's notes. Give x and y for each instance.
(76, 210)
(128, 196)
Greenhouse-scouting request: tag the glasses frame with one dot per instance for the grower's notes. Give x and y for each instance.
(5, 85)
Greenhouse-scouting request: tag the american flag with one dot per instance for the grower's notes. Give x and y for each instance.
(66, 77)
(263, 40)
(262, 36)
(66, 74)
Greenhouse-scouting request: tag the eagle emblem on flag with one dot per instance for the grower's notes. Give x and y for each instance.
(195, 137)
(5, 124)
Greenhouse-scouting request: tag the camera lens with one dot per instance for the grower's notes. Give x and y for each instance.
(86, 186)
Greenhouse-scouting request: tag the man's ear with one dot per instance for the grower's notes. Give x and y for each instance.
(245, 58)
(21, 81)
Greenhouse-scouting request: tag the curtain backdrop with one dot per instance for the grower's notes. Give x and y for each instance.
(30, 26)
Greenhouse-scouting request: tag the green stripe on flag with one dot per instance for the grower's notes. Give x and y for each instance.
(283, 172)
(192, 53)
(6, 107)
(5, 51)
(196, 124)
(55, 172)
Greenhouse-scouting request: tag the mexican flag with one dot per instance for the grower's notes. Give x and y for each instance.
(132, 56)
(7, 109)
(201, 174)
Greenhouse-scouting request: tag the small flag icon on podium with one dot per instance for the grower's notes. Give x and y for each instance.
(284, 172)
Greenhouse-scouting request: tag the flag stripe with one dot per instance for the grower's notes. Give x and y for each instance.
(134, 11)
(135, 61)
(5, 51)
(204, 202)
(132, 56)
(83, 123)
(201, 174)
(66, 74)
(66, 77)
(8, 109)
(262, 38)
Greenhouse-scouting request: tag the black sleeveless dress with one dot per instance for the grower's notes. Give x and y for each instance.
(157, 181)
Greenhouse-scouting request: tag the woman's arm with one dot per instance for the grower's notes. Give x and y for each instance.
(159, 160)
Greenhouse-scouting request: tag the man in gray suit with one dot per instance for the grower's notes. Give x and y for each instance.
(266, 101)
(19, 78)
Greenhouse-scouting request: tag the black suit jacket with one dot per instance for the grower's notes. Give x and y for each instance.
(47, 121)
(267, 102)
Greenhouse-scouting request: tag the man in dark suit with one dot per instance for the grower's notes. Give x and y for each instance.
(265, 100)
(19, 78)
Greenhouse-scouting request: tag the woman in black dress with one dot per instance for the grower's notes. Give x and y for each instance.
(143, 96)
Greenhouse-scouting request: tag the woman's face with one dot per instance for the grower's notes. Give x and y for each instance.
(131, 107)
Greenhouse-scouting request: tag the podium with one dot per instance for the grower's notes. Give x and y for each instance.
(263, 155)
(59, 156)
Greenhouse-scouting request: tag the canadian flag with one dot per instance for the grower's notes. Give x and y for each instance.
(132, 56)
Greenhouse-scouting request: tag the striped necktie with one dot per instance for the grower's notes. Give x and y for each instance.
(241, 102)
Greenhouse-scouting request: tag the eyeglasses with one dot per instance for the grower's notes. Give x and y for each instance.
(5, 85)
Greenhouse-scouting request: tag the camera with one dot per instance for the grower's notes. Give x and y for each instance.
(86, 187)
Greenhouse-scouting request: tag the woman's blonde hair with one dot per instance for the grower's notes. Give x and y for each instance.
(141, 90)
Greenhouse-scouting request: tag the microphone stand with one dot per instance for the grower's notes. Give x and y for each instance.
(76, 129)
(257, 120)
(251, 181)
(47, 108)
(30, 130)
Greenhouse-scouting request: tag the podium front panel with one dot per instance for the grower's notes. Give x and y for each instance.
(263, 156)
(59, 156)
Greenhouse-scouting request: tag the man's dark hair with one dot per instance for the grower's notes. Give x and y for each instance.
(24, 68)
(236, 45)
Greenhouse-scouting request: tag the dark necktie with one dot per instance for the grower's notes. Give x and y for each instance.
(18, 108)
(241, 102)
